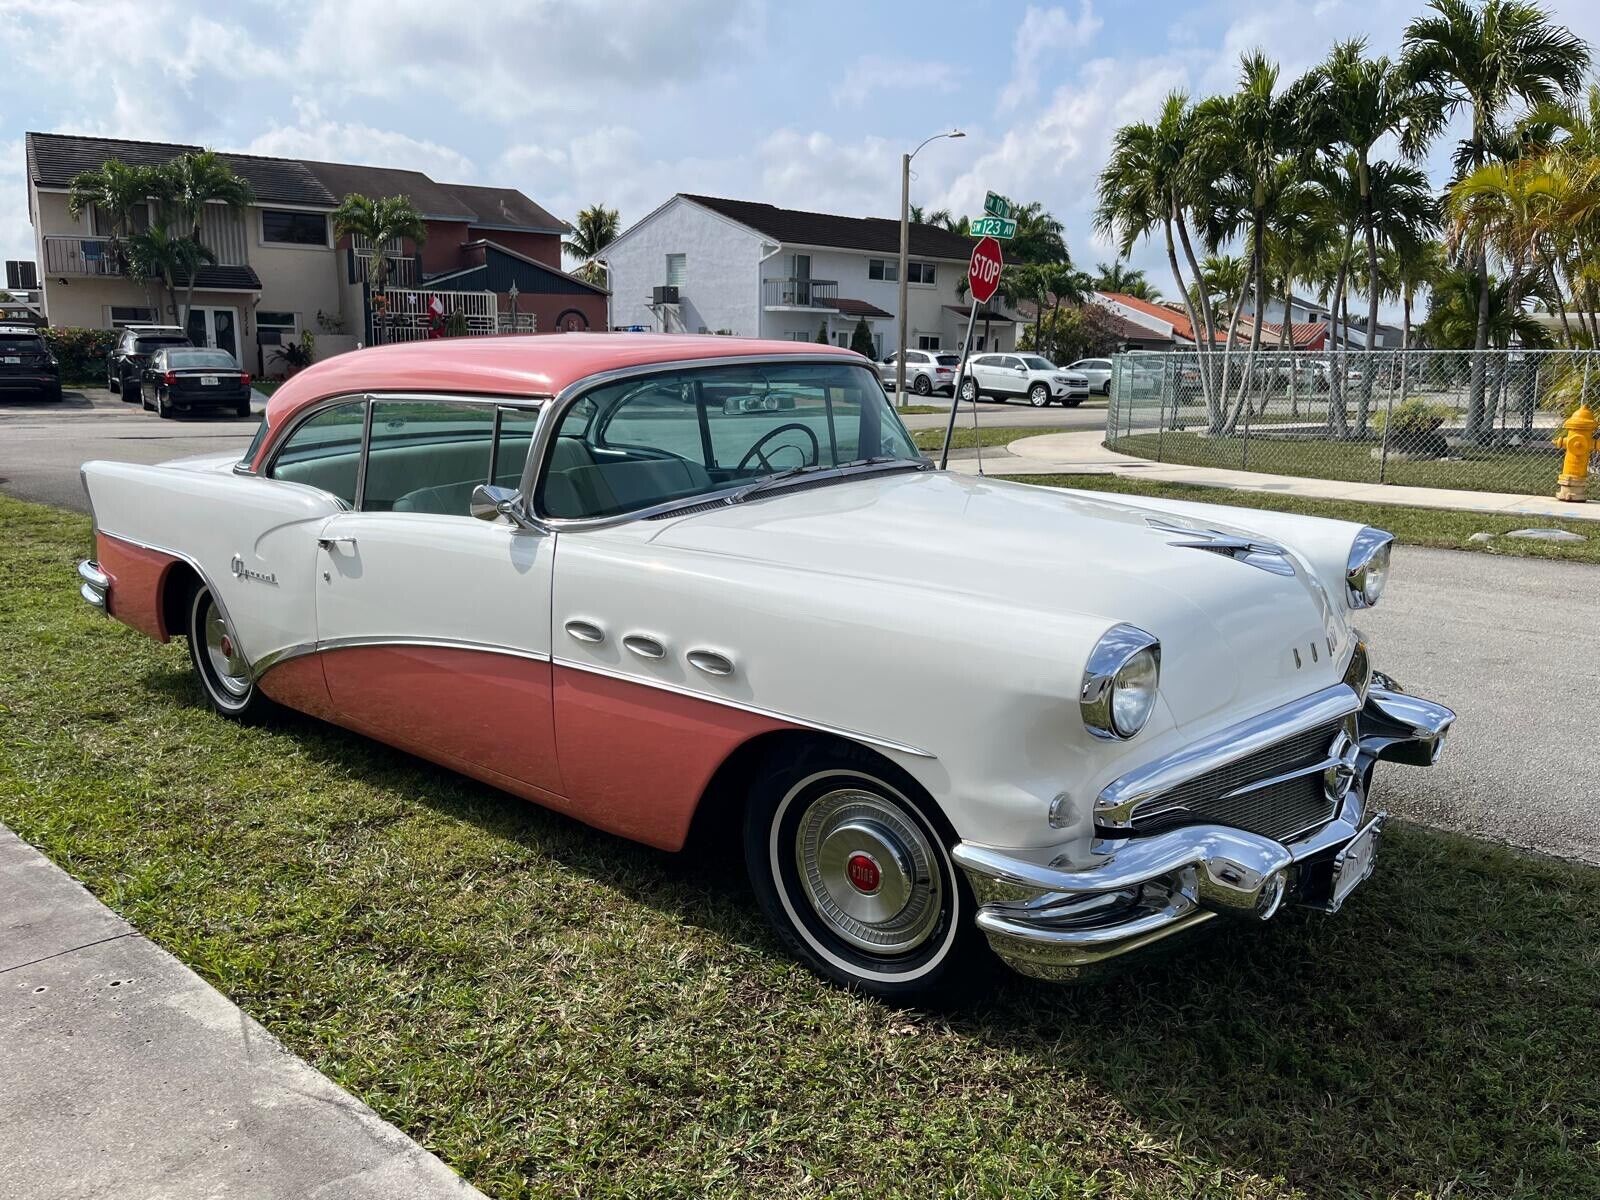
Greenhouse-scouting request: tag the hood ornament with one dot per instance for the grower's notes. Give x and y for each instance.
(1267, 556)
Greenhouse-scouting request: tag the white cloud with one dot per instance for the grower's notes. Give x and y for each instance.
(316, 136)
(876, 73)
(1044, 32)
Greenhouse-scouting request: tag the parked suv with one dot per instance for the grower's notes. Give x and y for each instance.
(1097, 371)
(26, 364)
(927, 371)
(126, 363)
(1040, 381)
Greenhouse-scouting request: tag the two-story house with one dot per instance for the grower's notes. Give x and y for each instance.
(701, 264)
(490, 253)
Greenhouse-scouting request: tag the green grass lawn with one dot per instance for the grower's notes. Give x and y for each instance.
(267, 386)
(966, 437)
(557, 1012)
(1530, 472)
(913, 410)
(1448, 529)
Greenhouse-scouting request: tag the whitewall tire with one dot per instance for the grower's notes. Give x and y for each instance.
(224, 674)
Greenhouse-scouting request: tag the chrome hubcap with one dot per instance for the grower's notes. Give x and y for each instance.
(223, 655)
(868, 871)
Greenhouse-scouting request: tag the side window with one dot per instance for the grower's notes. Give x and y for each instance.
(325, 451)
(427, 456)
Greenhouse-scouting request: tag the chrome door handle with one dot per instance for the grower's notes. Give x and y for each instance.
(585, 631)
(712, 662)
(644, 645)
(330, 543)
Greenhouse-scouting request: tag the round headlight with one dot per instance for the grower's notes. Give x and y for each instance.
(1367, 569)
(1120, 682)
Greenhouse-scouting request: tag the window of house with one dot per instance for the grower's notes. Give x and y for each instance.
(276, 328)
(675, 269)
(101, 225)
(886, 269)
(919, 272)
(325, 452)
(125, 314)
(927, 341)
(286, 227)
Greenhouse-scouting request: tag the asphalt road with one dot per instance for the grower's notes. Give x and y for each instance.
(1501, 640)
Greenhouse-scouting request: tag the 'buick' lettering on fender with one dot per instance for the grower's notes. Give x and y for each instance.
(240, 571)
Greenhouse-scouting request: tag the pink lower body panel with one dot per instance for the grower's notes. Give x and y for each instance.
(138, 577)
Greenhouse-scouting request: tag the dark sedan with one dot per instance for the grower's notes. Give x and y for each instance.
(26, 364)
(184, 378)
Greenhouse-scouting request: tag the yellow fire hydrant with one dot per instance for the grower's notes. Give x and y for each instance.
(1578, 442)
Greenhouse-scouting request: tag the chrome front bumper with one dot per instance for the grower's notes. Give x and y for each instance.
(1047, 918)
(94, 584)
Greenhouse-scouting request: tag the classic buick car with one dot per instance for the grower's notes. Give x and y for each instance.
(645, 580)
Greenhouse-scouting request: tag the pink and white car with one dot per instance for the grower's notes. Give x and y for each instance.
(647, 579)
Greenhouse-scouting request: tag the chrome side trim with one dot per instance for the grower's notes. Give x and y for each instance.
(854, 735)
(301, 649)
(1117, 800)
(191, 561)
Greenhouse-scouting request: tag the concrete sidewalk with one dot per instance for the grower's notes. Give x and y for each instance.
(1081, 453)
(123, 1073)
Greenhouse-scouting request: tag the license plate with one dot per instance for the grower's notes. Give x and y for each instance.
(9, 359)
(1354, 863)
(208, 381)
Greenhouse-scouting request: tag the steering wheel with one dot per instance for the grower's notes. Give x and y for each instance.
(755, 453)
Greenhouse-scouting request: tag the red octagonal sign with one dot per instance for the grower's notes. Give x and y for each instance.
(983, 272)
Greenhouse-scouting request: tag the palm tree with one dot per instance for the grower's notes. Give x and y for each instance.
(1120, 278)
(1486, 58)
(380, 222)
(942, 218)
(595, 229)
(154, 254)
(914, 214)
(116, 191)
(1453, 323)
(1408, 266)
(186, 186)
(1040, 238)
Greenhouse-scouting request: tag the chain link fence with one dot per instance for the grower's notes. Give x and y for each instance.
(1418, 418)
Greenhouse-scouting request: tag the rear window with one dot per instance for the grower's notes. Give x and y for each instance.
(949, 360)
(26, 342)
(149, 345)
(201, 358)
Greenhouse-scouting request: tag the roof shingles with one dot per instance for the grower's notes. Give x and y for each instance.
(794, 226)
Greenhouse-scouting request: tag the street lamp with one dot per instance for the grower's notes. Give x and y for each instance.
(905, 254)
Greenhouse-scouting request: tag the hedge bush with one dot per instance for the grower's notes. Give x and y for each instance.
(81, 352)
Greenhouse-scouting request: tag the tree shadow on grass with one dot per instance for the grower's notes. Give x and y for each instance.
(1441, 1035)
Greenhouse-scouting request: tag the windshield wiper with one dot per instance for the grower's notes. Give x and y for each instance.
(789, 473)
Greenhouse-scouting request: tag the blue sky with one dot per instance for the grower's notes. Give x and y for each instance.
(625, 102)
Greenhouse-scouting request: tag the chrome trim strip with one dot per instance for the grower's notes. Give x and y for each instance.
(301, 649)
(93, 598)
(190, 560)
(1398, 727)
(854, 735)
(1117, 800)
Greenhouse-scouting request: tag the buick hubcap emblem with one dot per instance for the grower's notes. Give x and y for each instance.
(863, 872)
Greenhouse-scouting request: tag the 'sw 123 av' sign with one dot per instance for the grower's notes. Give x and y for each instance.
(983, 272)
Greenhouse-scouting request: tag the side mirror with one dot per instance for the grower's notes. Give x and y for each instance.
(489, 503)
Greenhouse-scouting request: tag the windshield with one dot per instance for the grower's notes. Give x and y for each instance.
(147, 345)
(1035, 363)
(644, 441)
(201, 358)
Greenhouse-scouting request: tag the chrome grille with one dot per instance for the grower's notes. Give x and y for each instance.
(1278, 811)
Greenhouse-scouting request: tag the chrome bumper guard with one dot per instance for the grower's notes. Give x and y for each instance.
(1049, 919)
(95, 585)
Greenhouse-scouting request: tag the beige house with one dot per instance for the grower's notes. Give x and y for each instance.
(279, 270)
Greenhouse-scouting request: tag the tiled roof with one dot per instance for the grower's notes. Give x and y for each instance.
(859, 308)
(1176, 317)
(1301, 334)
(796, 227)
(1114, 322)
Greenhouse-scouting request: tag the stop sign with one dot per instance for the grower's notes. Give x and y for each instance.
(983, 272)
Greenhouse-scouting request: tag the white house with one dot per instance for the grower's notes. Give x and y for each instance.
(755, 270)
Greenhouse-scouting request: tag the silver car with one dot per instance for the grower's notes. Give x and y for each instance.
(927, 371)
(1097, 371)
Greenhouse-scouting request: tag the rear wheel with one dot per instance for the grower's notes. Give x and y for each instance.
(922, 386)
(242, 409)
(112, 384)
(163, 404)
(851, 865)
(1039, 396)
(224, 674)
(969, 391)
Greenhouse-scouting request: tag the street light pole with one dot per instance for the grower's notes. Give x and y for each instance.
(905, 255)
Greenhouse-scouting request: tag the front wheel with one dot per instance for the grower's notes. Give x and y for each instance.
(853, 870)
(1039, 396)
(224, 674)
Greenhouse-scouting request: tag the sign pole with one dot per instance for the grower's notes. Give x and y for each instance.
(955, 396)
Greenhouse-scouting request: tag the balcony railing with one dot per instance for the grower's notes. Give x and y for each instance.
(403, 270)
(79, 256)
(791, 292)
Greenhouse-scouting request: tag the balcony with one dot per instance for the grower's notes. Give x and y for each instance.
(403, 271)
(792, 292)
(72, 255)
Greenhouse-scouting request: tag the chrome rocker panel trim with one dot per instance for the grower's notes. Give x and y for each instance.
(1048, 918)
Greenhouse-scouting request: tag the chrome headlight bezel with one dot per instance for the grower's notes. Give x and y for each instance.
(1122, 650)
(1367, 568)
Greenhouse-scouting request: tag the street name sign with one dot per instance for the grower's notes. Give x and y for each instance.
(993, 227)
(996, 205)
(983, 272)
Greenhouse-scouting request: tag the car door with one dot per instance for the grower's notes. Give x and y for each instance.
(1012, 376)
(433, 625)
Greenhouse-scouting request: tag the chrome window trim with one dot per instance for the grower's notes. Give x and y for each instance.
(1115, 805)
(662, 685)
(1368, 541)
(1115, 649)
(300, 649)
(544, 435)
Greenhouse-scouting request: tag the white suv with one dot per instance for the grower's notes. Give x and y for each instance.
(927, 371)
(1038, 380)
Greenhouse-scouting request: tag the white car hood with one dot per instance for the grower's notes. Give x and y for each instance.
(1232, 634)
